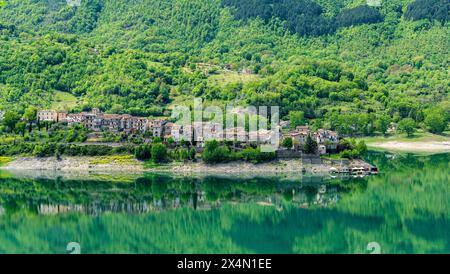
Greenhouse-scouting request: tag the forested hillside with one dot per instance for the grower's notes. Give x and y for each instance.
(343, 64)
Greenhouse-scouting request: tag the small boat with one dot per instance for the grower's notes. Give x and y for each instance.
(374, 171)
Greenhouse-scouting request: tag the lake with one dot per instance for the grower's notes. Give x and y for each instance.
(405, 209)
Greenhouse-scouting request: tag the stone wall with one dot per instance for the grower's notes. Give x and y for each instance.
(311, 160)
(336, 162)
(289, 154)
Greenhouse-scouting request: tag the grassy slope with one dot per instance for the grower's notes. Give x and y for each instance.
(64, 101)
(224, 78)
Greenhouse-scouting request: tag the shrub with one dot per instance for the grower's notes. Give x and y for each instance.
(255, 156)
(183, 154)
(214, 153)
(192, 153)
(407, 126)
(143, 152)
(436, 120)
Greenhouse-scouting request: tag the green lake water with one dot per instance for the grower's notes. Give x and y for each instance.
(405, 209)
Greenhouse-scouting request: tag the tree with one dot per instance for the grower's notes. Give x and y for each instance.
(21, 127)
(296, 118)
(361, 147)
(360, 15)
(428, 9)
(287, 143)
(436, 120)
(407, 126)
(159, 153)
(310, 146)
(10, 119)
(30, 113)
(304, 17)
(382, 123)
(30, 116)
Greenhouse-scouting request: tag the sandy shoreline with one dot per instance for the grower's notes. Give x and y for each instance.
(419, 147)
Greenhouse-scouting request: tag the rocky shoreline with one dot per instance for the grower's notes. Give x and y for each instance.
(241, 168)
(291, 167)
(72, 164)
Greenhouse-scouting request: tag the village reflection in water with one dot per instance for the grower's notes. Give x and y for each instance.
(156, 192)
(405, 209)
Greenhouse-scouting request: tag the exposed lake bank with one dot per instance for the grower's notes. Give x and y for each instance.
(128, 164)
(107, 163)
(421, 143)
(239, 168)
(412, 147)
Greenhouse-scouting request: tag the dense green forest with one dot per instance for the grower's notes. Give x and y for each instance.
(344, 64)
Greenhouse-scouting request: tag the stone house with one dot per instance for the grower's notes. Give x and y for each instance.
(327, 140)
(113, 122)
(299, 136)
(156, 126)
(47, 115)
(141, 124)
(168, 127)
(238, 134)
(262, 136)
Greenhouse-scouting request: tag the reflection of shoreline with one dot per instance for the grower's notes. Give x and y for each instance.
(156, 193)
(120, 176)
(320, 195)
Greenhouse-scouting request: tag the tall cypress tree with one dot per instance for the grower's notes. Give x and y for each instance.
(310, 146)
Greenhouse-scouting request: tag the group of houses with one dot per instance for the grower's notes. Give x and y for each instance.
(204, 131)
(201, 132)
(98, 121)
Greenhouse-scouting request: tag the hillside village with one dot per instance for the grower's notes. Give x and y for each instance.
(97, 121)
